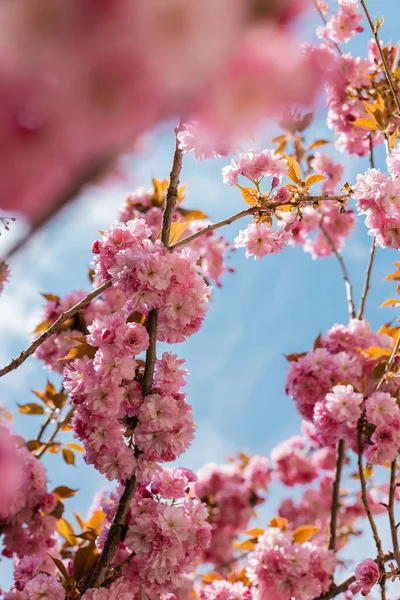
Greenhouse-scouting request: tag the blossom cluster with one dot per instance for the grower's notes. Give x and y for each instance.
(151, 277)
(167, 538)
(367, 575)
(230, 492)
(343, 24)
(282, 569)
(378, 198)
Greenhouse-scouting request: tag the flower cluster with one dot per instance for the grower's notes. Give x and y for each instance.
(367, 575)
(338, 359)
(26, 507)
(259, 239)
(282, 569)
(343, 25)
(167, 538)
(230, 492)
(253, 165)
(153, 278)
(378, 197)
(149, 203)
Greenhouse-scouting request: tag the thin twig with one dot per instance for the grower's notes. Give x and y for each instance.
(116, 571)
(119, 523)
(367, 280)
(335, 495)
(16, 362)
(396, 348)
(344, 585)
(388, 74)
(172, 192)
(346, 277)
(56, 430)
(364, 496)
(44, 426)
(269, 207)
(392, 520)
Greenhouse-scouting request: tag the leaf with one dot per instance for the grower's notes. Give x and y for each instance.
(393, 138)
(68, 456)
(53, 447)
(318, 342)
(294, 357)
(59, 400)
(78, 517)
(60, 566)
(62, 492)
(51, 297)
(136, 317)
(31, 409)
(395, 276)
(375, 352)
(80, 351)
(314, 178)
(96, 520)
(256, 532)
(304, 533)
(84, 561)
(249, 194)
(177, 229)
(318, 143)
(76, 447)
(65, 530)
(247, 545)
(160, 187)
(393, 302)
(210, 577)
(188, 213)
(286, 207)
(365, 124)
(279, 522)
(33, 445)
(293, 169)
(42, 397)
(43, 326)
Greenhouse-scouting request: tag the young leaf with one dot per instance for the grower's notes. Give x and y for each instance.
(279, 522)
(60, 566)
(375, 352)
(79, 351)
(84, 560)
(65, 530)
(96, 520)
(293, 169)
(365, 124)
(255, 532)
(314, 178)
(75, 446)
(42, 327)
(393, 302)
(68, 456)
(177, 229)
(250, 195)
(247, 545)
(31, 409)
(62, 492)
(395, 276)
(318, 143)
(192, 213)
(304, 533)
(210, 577)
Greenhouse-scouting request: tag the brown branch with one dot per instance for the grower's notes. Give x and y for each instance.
(56, 430)
(172, 192)
(364, 496)
(116, 571)
(344, 585)
(392, 520)
(335, 495)
(389, 363)
(346, 277)
(16, 362)
(367, 280)
(386, 69)
(267, 208)
(119, 523)
(44, 426)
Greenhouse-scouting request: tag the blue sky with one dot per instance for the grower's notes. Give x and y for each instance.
(270, 307)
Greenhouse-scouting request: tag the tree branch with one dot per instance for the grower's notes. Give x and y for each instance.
(346, 277)
(386, 69)
(367, 280)
(116, 530)
(335, 495)
(392, 520)
(16, 362)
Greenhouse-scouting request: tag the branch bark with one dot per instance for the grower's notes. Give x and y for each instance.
(335, 495)
(16, 362)
(118, 525)
(386, 69)
(364, 295)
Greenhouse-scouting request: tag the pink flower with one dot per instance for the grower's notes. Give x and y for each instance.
(259, 240)
(344, 404)
(367, 575)
(381, 408)
(44, 587)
